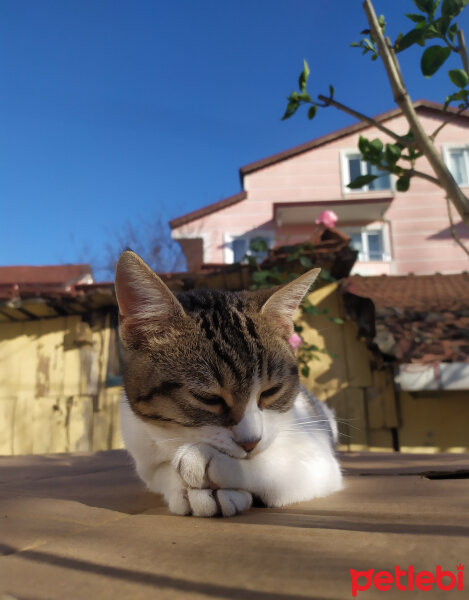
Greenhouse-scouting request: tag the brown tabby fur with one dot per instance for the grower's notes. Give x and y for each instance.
(198, 368)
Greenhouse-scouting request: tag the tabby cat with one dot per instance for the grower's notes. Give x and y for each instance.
(213, 412)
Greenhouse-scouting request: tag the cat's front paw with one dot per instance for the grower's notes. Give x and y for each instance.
(192, 462)
(212, 503)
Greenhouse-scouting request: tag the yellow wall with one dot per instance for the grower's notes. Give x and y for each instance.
(53, 396)
(434, 421)
(369, 410)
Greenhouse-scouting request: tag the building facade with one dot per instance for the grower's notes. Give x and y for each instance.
(395, 233)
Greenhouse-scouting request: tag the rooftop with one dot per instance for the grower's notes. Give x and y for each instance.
(419, 318)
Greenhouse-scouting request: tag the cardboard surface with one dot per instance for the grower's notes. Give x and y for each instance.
(83, 527)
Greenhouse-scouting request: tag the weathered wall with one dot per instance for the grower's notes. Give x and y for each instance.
(53, 394)
(372, 415)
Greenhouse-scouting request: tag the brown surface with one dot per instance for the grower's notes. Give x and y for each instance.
(82, 526)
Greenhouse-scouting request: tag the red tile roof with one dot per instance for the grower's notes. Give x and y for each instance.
(54, 274)
(17, 280)
(417, 292)
(419, 318)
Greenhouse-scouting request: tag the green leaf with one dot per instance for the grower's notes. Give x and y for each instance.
(306, 262)
(403, 183)
(363, 145)
(309, 308)
(305, 97)
(377, 145)
(416, 18)
(453, 32)
(292, 107)
(458, 77)
(452, 8)
(392, 153)
(360, 181)
(337, 320)
(305, 371)
(438, 28)
(259, 245)
(303, 76)
(260, 276)
(326, 276)
(414, 36)
(427, 6)
(312, 111)
(432, 59)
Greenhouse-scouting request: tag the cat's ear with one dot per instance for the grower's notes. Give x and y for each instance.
(282, 304)
(145, 303)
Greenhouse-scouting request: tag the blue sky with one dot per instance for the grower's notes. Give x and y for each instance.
(112, 111)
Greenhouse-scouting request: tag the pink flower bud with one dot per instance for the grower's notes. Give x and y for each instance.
(327, 218)
(295, 341)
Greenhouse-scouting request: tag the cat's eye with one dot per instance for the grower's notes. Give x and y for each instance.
(270, 392)
(209, 400)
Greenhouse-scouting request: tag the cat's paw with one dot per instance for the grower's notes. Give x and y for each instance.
(192, 462)
(211, 503)
(178, 502)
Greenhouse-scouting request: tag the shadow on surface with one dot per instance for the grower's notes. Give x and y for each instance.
(157, 581)
(343, 522)
(90, 479)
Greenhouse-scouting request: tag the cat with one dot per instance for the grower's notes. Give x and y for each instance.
(213, 411)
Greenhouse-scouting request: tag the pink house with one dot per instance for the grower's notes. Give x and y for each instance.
(395, 233)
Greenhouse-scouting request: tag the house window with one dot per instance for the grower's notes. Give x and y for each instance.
(370, 243)
(353, 166)
(238, 247)
(457, 160)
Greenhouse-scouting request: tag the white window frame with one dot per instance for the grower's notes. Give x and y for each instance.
(446, 156)
(345, 155)
(383, 228)
(269, 236)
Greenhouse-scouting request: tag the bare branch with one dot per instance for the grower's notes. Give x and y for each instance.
(362, 117)
(447, 122)
(462, 50)
(421, 175)
(402, 98)
(452, 229)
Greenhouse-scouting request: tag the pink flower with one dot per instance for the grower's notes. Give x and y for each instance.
(327, 218)
(295, 341)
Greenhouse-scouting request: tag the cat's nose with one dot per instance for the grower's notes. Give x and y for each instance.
(248, 446)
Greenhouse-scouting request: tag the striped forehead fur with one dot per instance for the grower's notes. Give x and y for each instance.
(227, 349)
(194, 357)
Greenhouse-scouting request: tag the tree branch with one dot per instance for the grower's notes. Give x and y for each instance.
(362, 117)
(462, 50)
(447, 122)
(422, 175)
(401, 96)
(452, 229)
